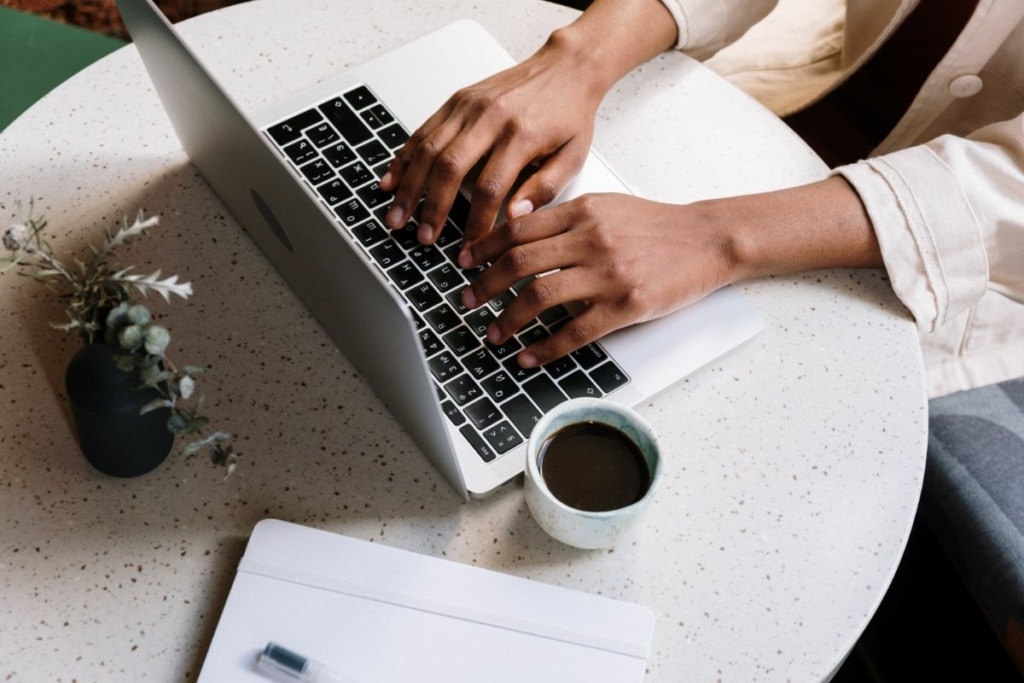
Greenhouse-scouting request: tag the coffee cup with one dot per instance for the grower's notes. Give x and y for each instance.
(592, 467)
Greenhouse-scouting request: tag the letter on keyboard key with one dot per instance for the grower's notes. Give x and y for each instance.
(544, 392)
(523, 413)
(502, 437)
(478, 444)
(578, 385)
(346, 121)
(482, 413)
(609, 377)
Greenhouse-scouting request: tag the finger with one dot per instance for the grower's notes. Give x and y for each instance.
(492, 186)
(585, 329)
(450, 170)
(395, 174)
(522, 248)
(562, 287)
(543, 186)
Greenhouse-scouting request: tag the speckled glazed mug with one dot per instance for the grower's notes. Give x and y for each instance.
(577, 527)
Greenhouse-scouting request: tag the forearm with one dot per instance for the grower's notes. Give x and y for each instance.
(820, 225)
(612, 37)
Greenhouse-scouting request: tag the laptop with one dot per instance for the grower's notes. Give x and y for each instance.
(301, 176)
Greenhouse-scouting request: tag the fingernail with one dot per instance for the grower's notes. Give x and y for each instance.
(520, 208)
(395, 217)
(465, 259)
(527, 360)
(468, 298)
(425, 234)
(386, 179)
(493, 335)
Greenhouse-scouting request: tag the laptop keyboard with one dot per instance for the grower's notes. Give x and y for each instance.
(342, 148)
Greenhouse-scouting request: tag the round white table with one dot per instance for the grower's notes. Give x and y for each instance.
(795, 462)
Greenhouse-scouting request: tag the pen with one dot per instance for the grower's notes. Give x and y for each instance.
(295, 667)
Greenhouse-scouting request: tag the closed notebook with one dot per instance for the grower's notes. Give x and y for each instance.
(376, 614)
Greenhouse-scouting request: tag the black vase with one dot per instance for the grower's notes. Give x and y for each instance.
(105, 403)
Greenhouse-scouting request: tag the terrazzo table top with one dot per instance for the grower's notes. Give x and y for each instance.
(794, 463)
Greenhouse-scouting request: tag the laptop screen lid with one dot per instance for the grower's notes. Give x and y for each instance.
(248, 176)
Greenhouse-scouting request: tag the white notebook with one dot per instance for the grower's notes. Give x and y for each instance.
(379, 614)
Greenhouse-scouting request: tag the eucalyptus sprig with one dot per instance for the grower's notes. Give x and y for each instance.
(101, 306)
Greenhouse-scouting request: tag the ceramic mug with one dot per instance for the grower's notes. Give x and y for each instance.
(592, 467)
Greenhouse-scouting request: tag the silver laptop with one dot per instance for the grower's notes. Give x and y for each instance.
(301, 177)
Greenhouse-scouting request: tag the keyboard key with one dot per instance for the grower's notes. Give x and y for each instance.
(338, 155)
(519, 374)
(533, 335)
(442, 318)
(351, 212)
(609, 377)
(578, 385)
(322, 134)
(406, 237)
(523, 413)
(478, 444)
(590, 356)
(502, 437)
(291, 130)
(479, 320)
(482, 413)
(300, 151)
(356, 174)
(553, 315)
(499, 302)
(423, 296)
(452, 412)
(444, 366)
(499, 387)
(446, 278)
(560, 367)
(544, 392)
(394, 136)
(346, 121)
(334, 191)
(374, 153)
(461, 341)
(317, 171)
(387, 253)
(405, 274)
(373, 196)
(454, 298)
(480, 363)
(369, 233)
(462, 389)
(506, 350)
(360, 97)
(372, 116)
(430, 342)
(450, 235)
(427, 256)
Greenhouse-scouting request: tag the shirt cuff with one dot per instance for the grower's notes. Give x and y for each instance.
(930, 239)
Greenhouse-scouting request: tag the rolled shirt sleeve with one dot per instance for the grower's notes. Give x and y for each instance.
(949, 216)
(706, 26)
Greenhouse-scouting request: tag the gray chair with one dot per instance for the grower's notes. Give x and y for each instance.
(973, 500)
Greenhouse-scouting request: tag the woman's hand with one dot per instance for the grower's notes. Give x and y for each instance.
(537, 118)
(537, 115)
(625, 260)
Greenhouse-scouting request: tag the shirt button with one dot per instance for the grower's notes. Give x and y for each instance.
(967, 85)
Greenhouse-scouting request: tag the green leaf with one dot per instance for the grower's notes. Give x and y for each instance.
(156, 404)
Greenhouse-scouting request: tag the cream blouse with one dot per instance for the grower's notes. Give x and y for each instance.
(945, 190)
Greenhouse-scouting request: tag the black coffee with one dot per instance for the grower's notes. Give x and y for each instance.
(591, 466)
